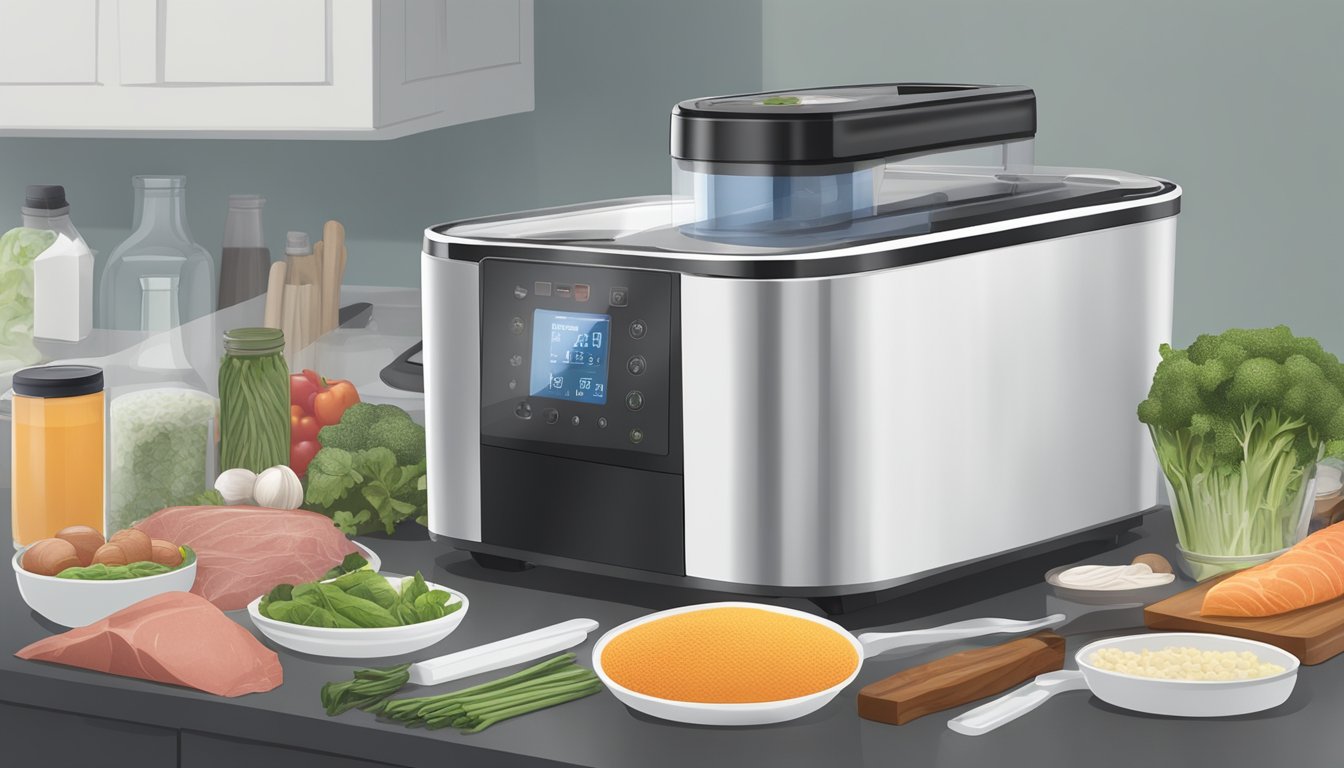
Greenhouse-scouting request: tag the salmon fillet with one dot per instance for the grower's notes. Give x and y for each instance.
(243, 552)
(176, 638)
(1311, 572)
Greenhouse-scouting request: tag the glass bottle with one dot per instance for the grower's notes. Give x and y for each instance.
(159, 278)
(57, 450)
(253, 400)
(245, 263)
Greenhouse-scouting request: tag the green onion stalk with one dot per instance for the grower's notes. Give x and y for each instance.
(1254, 504)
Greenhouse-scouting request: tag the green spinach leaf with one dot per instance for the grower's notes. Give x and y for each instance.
(295, 612)
(369, 586)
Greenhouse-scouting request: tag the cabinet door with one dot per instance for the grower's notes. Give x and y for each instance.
(48, 42)
(241, 42)
(459, 60)
(44, 737)
(201, 750)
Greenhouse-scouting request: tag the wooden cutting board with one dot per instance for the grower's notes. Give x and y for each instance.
(1312, 634)
(960, 678)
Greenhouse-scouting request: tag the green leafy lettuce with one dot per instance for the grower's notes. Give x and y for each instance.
(366, 491)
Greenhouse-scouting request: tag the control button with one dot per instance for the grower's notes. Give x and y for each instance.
(620, 297)
(513, 384)
(517, 326)
(601, 422)
(519, 292)
(638, 329)
(563, 291)
(523, 410)
(582, 292)
(552, 415)
(516, 360)
(575, 420)
(636, 365)
(542, 288)
(634, 400)
(636, 435)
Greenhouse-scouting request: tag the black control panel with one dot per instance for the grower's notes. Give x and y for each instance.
(577, 356)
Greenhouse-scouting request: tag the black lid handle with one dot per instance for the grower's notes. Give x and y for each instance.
(849, 123)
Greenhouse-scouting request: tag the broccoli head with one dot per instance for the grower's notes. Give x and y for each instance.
(366, 425)
(1218, 385)
(403, 437)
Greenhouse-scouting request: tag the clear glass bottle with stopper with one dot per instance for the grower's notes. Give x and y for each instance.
(159, 278)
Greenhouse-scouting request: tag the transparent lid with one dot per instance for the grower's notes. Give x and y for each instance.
(763, 216)
(822, 168)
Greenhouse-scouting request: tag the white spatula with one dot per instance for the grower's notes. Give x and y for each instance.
(502, 653)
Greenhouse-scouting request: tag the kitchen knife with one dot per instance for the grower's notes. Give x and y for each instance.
(502, 653)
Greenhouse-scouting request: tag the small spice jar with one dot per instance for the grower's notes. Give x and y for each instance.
(253, 400)
(58, 439)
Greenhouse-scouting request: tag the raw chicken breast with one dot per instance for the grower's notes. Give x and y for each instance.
(176, 638)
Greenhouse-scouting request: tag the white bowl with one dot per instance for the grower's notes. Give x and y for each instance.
(75, 603)
(375, 562)
(370, 643)
(704, 713)
(1190, 698)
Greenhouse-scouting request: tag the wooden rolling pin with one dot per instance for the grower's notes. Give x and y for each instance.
(275, 287)
(960, 678)
(333, 272)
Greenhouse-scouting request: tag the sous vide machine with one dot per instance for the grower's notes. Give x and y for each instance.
(865, 342)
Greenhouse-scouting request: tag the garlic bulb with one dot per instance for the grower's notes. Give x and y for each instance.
(235, 485)
(278, 488)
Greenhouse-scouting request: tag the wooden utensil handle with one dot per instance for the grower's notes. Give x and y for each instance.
(960, 678)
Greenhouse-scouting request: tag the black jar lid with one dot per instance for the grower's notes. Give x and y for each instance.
(45, 197)
(58, 381)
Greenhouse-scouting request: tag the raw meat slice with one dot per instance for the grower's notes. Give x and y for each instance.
(242, 552)
(1309, 573)
(176, 638)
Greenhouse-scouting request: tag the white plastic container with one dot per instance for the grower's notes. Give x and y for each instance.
(62, 274)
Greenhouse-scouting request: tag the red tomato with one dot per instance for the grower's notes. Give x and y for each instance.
(302, 390)
(303, 429)
(301, 455)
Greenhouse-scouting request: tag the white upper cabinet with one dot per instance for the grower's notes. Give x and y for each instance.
(261, 68)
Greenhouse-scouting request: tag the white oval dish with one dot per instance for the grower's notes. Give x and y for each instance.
(700, 713)
(1190, 698)
(1108, 596)
(370, 643)
(76, 603)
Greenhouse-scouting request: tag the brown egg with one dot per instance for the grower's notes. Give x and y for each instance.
(48, 557)
(135, 542)
(86, 540)
(111, 554)
(166, 553)
(1155, 561)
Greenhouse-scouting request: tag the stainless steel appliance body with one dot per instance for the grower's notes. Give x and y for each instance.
(844, 416)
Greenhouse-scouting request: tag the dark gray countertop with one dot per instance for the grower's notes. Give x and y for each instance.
(1073, 729)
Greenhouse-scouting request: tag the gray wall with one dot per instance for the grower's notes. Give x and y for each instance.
(1239, 102)
(607, 74)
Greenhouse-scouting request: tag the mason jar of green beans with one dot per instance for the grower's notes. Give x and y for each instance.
(253, 400)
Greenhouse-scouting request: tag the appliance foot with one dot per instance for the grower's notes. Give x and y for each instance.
(836, 605)
(499, 563)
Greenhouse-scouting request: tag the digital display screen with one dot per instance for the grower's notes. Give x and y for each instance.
(569, 356)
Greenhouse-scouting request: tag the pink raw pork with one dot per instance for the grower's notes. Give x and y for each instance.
(242, 552)
(176, 638)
